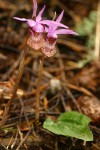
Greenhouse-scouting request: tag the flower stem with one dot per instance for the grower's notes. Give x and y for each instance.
(20, 72)
(38, 88)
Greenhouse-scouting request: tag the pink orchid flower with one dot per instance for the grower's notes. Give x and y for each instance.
(35, 39)
(34, 23)
(37, 27)
(52, 35)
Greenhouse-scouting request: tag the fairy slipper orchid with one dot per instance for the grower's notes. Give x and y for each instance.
(36, 39)
(52, 35)
(37, 27)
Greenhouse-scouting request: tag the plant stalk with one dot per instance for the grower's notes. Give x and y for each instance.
(38, 88)
(20, 72)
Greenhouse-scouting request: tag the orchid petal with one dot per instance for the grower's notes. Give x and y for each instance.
(39, 16)
(65, 31)
(53, 23)
(34, 8)
(20, 19)
(52, 26)
(30, 22)
(60, 17)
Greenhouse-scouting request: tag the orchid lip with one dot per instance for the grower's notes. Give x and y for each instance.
(51, 40)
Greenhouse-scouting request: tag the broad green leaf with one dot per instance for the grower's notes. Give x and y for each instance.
(74, 117)
(71, 124)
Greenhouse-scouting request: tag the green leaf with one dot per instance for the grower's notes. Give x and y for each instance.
(71, 124)
(87, 26)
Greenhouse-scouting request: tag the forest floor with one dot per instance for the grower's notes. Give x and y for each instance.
(70, 79)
